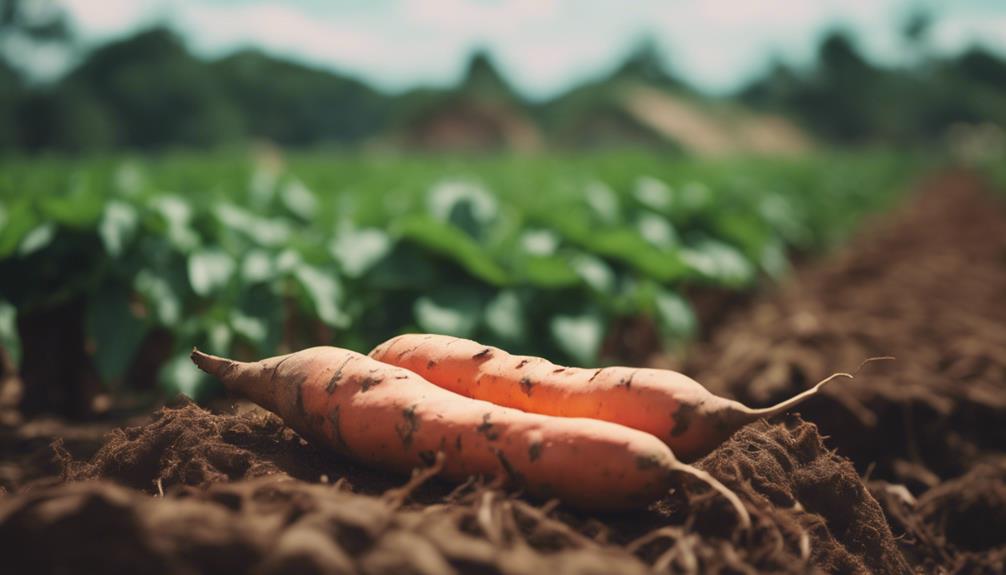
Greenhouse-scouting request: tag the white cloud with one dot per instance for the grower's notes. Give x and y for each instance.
(958, 33)
(361, 44)
(484, 17)
(103, 18)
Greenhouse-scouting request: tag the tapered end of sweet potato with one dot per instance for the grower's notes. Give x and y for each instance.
(216, 366)
(249, 380)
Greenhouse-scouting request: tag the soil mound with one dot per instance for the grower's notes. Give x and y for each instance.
(230, 495)
(926, 285)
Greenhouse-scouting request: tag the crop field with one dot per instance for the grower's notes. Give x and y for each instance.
(756, 277)
(533, 254)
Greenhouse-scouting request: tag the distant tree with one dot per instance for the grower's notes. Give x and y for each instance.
(31, 22)
(293, 104)
(775, 89)
(153, 92)
(645, 63)
(969, 88)
(483, 80)
(10, 98)
(841, 99)
(980, 66)
(25, 25)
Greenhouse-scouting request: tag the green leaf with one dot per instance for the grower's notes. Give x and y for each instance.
(653, 194)
(37, 239)
(603, 202)
(467, 205)
(696, 197)
(251, 328)
(9, 339)
(657, 230)
(158, 293)
(407, 267)
(118, 224)
(359, 250)
(219, 338)
(114, 331)
(550, 272)
(579, 335)
(177, 214)
(180, 375)
(270, 232)
(129, 179)
(783, 218)
(298, 199)
(325, 294)
(674, 315)
(539, 242)
(288, 261)
(20, 221)
(773, 259)
(630, 247)
(595, 272)
(258, 316)
(719, 261)
(78, 210)
(257, 267)
(209, 270)
(451, 311)
(505, 317)
(454, 244)
(262, 187)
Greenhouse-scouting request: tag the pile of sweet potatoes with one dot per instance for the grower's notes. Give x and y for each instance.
(600, 439)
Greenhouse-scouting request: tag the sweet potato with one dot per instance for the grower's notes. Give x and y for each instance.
(676, 409)
(390, 417)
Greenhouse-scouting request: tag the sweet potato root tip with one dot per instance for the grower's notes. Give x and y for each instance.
(210, 364)
(799, 398)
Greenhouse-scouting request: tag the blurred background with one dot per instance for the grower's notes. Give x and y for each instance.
(589, 181)
(700, 77)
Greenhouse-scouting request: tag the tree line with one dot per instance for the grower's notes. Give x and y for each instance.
(149, 91)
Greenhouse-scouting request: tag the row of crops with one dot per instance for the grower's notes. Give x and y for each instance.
(249, 255)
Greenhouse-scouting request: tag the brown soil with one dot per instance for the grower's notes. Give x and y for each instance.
(191, 491)
(928, 286)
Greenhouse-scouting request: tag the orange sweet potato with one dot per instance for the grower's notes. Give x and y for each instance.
(389, 417)
(671, 406)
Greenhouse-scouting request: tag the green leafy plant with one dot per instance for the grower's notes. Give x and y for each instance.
(536, 254)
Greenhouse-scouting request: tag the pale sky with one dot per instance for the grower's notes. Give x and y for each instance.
(542, 46)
